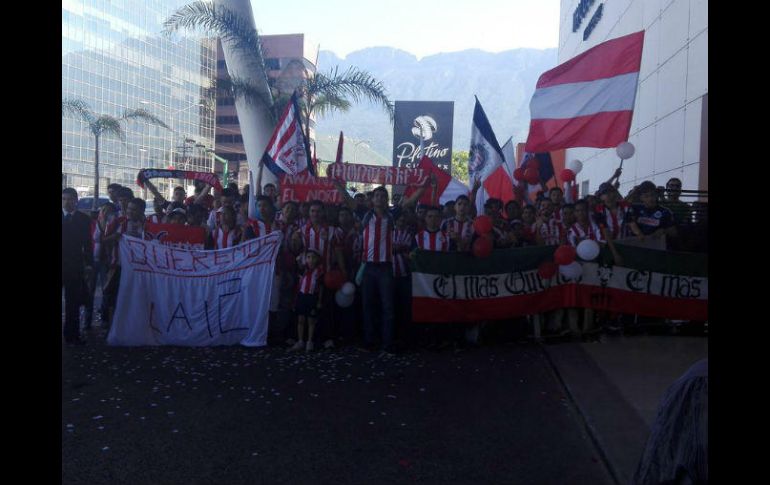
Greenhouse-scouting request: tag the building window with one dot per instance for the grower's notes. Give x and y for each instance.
(227, 101)
(227, 120)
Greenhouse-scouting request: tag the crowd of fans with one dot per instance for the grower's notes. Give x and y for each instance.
(365, 228)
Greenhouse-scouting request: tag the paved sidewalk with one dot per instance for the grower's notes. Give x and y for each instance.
(617, 384)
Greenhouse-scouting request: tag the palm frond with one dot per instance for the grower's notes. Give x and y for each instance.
(143, 115)
(327, 104)
(241, 88)
(354, 83)
(226, 24)
(108, 125)
(79, 108)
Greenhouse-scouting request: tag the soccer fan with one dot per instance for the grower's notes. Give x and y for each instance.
(459, 228)
(228, 232)
(432, 238)
(77, 260)
(548, 230)
(159, 206)
(616, 212)
(650, 220)
(177, 216)
(512, 211)
(227, 199)
(583, 228)
(309, 300)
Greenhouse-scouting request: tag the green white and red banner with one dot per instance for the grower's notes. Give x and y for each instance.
(457, 287)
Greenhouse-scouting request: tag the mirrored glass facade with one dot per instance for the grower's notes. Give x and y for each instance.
(114, 57)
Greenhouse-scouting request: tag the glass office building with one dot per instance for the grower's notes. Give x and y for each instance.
(114, 57)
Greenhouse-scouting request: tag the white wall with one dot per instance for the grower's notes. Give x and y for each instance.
(674, 76)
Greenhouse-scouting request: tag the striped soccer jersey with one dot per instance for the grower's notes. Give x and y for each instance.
(323, 240)
(311, 281)
(402, 243)
(432, 241)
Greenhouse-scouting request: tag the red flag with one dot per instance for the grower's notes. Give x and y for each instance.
(587, 101)
(339, 149)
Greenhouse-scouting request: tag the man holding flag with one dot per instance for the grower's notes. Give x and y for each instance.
(485, 154)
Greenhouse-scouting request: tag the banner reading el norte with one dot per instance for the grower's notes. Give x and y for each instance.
(457, 287)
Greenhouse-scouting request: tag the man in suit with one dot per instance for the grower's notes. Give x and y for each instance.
(76, 261)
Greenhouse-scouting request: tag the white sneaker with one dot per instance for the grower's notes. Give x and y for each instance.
(329, 344)
(310, 346)
(299, 345)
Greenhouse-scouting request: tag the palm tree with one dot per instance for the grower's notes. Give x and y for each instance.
(325, 93)
(104, 125)
(321, 93)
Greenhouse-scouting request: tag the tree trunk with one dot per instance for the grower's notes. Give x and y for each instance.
(96, 173)
(255, 118)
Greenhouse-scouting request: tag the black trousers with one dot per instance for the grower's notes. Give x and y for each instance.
(73, 298)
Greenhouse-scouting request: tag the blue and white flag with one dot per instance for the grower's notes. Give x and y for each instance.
(485, 153)
(288, 150)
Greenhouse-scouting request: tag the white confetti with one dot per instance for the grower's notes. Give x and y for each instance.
(97, 417)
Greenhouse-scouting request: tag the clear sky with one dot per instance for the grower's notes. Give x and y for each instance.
(421, 27)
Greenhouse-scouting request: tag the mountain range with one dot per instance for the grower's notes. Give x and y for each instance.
(503, 82)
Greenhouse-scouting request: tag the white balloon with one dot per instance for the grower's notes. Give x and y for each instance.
(588, 249)
(571, 271)
(348, 289)
(342, 299)
(625, 150)
(576, 166)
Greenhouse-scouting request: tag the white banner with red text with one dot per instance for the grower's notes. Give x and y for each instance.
(173, 296)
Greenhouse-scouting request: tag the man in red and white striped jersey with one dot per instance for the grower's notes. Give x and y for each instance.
(548, 230)
(556, 195)
(266, 223)
(459, 229)
(322, 238)
(228, 233)
(583, 228)
(614, 210)
(432, 238)
(377, 252)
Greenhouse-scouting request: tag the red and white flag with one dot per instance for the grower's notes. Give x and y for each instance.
(288, 150)
(447, 187)
(589, 100)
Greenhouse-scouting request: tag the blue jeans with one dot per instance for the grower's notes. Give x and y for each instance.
(377, 292)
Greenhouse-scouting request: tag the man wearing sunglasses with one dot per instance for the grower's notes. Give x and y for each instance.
(680, 210)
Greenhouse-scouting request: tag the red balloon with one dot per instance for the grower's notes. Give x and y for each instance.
(547, 269)
(482, 247)
(533, 163)
(518, 174)
(565, 254)
(334, 279)
(567, 175)
(532, 176)
(482, 225)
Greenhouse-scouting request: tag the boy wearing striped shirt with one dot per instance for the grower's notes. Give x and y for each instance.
(459, 229)
(432, 238)
(309, 300)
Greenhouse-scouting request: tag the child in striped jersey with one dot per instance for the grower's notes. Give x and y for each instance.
(309, 299)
